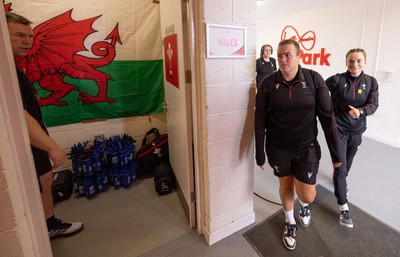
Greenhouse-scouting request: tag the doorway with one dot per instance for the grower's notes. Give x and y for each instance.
(40, 233)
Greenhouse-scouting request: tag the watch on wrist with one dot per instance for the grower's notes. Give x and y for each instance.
(361, 112)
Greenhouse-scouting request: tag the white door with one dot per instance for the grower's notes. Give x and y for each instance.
(178, 105)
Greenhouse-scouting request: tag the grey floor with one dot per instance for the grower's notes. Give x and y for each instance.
(137, 222)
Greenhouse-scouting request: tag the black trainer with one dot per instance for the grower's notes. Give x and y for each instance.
(289, 236)
(305, 215)
(62, 229)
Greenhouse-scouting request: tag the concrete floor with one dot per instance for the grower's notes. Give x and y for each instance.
(137, 222)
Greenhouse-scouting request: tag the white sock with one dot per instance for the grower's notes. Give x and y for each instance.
(302, 204)
(289, 217)
(343, 207)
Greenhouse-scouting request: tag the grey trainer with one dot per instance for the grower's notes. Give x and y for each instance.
(305, 215)
(289, 236)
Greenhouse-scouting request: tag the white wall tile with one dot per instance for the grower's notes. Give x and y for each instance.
(218, 11)
(229, 97)
(244, 15)
(218, 71)
(229, 151)
(230, 176)
(230, 124)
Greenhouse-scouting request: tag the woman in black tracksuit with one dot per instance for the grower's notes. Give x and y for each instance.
(265, 65)
(354, 96)
(287, 104)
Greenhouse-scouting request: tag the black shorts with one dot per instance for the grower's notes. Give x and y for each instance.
(42, 163)
(302, 164)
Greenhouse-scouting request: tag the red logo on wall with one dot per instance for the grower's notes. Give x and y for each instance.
(307, 43)
(171, 59)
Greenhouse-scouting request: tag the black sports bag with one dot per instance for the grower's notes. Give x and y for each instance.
(164, 178)
(153, 151)
(62, 185)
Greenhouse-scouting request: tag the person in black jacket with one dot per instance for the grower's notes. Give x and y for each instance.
(42, 145)
(287, 104)
(355, 96)
(265, 64)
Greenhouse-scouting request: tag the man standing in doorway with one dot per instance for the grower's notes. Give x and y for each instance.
(42, 145)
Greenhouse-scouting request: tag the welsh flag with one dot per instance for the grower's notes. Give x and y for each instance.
(94, 60)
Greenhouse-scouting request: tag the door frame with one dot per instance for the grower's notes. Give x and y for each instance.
(197, 64)
(24, 192)
(178, 101)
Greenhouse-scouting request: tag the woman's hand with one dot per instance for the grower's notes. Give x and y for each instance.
(354, 112)
(337, 165)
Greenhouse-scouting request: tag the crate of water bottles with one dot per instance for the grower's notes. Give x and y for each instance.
(99, 164)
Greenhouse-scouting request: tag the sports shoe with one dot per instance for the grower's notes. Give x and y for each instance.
(62, 229)
(305, 215)
(345, 219)
(289, 236)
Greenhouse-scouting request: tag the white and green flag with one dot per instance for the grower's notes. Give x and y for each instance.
(94, 59)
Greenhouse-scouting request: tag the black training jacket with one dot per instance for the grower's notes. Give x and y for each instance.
(285, 114)
(264, 68)
(360, 92)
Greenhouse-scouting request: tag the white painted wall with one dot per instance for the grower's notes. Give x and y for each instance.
(340, 25)
(229, 97)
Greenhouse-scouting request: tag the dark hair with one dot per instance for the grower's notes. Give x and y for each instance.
(13, 17)
(291, 42)
(356, 50)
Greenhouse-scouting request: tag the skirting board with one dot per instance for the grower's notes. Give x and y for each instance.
(389, 141)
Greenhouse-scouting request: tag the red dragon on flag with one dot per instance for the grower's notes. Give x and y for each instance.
(75, 64)
(7, 7)
(55, 54)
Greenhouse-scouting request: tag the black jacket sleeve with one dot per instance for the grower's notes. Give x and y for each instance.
(260, 123)
(325, 114)
(373, 98)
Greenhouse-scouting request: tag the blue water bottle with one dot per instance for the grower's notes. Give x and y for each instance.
(89, 187)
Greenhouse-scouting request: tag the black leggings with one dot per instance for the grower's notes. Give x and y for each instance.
(349, 145)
